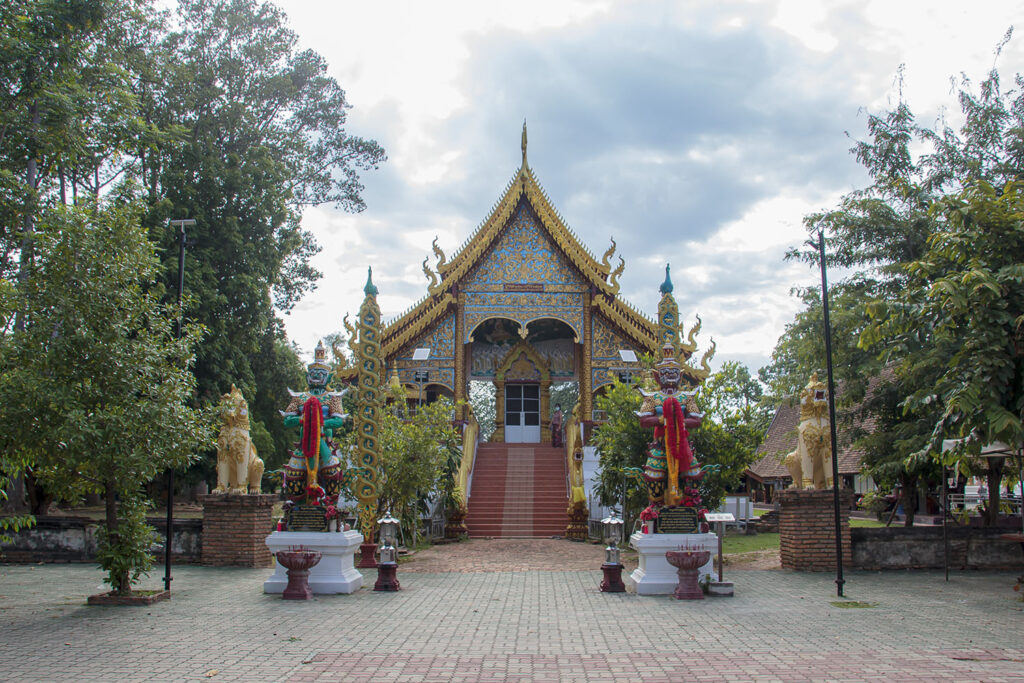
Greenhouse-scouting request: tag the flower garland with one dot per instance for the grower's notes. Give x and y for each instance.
(312, 425)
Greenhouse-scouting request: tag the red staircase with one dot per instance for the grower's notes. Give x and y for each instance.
(518, 490)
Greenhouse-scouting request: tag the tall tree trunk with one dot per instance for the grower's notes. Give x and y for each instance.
(28, 225)
(120, 583)
(39, 499)
(994, 477)
(908, 487)
(16, 496)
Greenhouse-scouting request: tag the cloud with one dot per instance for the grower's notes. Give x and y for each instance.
(695, 133)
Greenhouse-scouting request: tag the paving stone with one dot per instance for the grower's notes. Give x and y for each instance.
(527, 625)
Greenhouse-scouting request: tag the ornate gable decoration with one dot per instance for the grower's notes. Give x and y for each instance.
(524, 255)
(550, 260)
(523, 363)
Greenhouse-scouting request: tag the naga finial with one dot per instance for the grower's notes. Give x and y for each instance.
(691, 337)
(432, 285)
(524, 143)
(708, 355)
(442, 260)
(353, 338)
(606, 264)
(666, 286)
(613, 279)
(370, 289)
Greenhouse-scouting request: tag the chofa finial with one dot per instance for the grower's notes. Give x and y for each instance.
(524, 143)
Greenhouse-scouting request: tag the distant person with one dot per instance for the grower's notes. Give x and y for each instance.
(556, 427)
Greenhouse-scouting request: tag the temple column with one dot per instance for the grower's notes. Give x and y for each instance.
(586, 394)
(499, 411)
(461, 393)
(545, 411)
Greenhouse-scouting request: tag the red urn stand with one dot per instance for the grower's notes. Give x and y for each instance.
(612, 582)
(298, 563)
(367, 556)
(387, 579)
(688, 564)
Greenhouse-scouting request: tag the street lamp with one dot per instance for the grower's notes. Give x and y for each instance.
(612, 567)
(180, 224)
(388, 565)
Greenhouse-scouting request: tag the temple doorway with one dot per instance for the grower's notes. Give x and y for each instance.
(522, 413)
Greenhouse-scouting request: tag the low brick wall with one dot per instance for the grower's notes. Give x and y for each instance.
(922, 548)
(73, 539)
(807, 540)
(235, 529)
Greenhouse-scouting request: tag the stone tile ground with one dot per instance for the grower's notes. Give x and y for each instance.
(528, 625)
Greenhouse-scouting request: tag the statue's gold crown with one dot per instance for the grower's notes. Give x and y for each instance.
(668, 358)
(319, 357)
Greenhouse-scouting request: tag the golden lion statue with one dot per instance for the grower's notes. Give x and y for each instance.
(810, 464)
(239, 470)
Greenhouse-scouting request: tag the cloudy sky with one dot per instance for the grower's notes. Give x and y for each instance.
(698, 133)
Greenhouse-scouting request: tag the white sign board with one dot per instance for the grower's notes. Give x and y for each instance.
(720, 517)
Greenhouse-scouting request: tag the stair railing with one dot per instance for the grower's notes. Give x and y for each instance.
(470, 439)
(574, 470)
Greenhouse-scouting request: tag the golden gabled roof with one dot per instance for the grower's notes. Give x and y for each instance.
(523, 185)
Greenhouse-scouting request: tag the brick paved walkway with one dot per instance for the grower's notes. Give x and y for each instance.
(513, 625)
(510, 555)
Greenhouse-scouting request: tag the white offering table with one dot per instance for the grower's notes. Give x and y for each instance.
(655, 576)
(335, 573)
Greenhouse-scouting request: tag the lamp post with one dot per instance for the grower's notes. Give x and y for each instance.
(388, 565)
(612, 567)
(831, 416)
(180, 224)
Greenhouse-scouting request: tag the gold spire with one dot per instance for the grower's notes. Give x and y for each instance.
(524, 143)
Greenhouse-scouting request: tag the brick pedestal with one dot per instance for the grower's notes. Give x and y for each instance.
(235, 529)
(807, 523)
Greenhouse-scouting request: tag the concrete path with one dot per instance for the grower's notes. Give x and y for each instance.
(535, 625)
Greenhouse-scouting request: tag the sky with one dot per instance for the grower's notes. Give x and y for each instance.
(694, 133)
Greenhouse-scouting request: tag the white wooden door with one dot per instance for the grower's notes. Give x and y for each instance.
(522, 413)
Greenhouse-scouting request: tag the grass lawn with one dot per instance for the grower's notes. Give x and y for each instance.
(858, 521)
(741, 543)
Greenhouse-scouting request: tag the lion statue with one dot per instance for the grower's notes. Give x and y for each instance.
(810, 464)
(239, 470)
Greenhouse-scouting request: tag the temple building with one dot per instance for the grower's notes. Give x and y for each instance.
(523, 304)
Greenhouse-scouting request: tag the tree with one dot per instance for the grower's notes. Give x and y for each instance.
(621, 444)
(65, 113)
(889, 236)
(734, 424)
(95, 392)
(264, 137)
(415, 463)
(968, 292)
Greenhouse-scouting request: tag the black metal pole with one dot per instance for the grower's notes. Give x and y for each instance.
(945, 514)
(170, 470)
(831, 416)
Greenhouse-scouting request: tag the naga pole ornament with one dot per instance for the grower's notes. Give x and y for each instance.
(370, 404)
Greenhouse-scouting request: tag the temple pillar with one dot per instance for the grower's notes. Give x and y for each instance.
(460, 389)
(586, 391)
(499, 411)
(545, 411)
